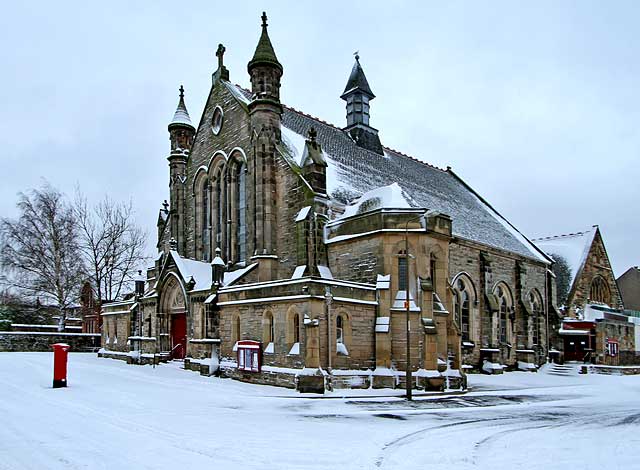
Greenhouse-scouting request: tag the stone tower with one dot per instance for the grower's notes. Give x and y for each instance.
(181, 132)
(265, 113)
(358, 94)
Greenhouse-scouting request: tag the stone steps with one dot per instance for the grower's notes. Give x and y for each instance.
(563, 370)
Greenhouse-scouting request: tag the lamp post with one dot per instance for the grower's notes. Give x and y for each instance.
(408, 378)
(328, 296)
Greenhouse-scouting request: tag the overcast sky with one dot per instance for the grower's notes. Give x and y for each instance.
(535, 104)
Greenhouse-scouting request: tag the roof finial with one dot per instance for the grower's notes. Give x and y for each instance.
(312, 134)
(181, 91)
(357, 54)
(220, 55)
(264, 19)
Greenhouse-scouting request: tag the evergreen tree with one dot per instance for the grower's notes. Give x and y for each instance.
(562, 272)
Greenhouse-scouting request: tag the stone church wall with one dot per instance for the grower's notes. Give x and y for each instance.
(465, 257)
(234, 133)
(358, 260)
(597, 263)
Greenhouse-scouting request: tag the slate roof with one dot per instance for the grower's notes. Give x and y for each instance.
(573, 247)
(358, 81)
(433, 188)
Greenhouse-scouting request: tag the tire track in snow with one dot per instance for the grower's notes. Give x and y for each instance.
(405, 439)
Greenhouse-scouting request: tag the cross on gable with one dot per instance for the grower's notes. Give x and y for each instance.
(220, 55)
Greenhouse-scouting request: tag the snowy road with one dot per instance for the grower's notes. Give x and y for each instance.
(118, 416)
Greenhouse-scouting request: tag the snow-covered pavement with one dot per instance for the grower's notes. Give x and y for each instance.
(117, 416)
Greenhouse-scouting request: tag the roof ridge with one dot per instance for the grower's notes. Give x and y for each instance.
(291, 108)
(416, 159)
(564, 235)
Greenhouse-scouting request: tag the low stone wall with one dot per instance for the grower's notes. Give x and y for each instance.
(611, 370)
(278, 379)
(39, 341)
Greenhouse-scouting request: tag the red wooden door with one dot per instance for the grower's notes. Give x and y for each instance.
(574, 348)
(179, 335)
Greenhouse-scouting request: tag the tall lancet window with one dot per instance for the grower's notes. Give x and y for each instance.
(219, 209)
(205, 222)
(241, 212)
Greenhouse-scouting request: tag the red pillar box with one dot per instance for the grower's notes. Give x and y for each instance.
(60, 352)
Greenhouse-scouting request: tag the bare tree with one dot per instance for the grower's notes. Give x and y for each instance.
(40, 252)
(112, 245)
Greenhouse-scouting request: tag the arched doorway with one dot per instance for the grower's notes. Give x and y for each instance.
(173, 313)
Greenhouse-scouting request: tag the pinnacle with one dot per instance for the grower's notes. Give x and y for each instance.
(181, 116)
(264, 53)
(357, 80)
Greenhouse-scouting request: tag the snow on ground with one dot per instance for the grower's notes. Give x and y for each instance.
(117, 416)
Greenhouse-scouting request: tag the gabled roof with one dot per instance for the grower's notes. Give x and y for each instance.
(573, 247)
(201, 272)
(358, 170)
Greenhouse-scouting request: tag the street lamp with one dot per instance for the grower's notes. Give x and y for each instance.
(407, 304)
(328, 296)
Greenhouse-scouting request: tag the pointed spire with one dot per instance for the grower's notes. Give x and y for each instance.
(264, 53)
(181, 115)
(357, 81)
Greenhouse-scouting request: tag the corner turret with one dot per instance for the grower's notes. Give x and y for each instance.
(265, 71)
(180, 128)
(181, 132)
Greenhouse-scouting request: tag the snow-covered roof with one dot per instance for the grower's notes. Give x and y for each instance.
(200, 271)
(391, 196)
(573, 247)
(359, 171)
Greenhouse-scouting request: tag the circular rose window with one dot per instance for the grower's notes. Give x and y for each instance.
(216, 120)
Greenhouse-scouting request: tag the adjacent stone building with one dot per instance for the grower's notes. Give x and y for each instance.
(629, 285)
(293, 252)
(593, 327)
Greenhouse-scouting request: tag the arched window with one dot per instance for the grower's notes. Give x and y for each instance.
(343, 334)
(504, 309)
(292, 331)
(235, 330)
(464, 295)
(599, 291)
(433, 271)
(204, 234)
(219, 211)
(402, 271)
(241, 222)
(201, 235)
(339, 330)
(268, 332)
(536, 318)
(296, 328)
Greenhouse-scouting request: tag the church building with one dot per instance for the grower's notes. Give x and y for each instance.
(593, 327)
(298, 253)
